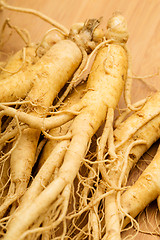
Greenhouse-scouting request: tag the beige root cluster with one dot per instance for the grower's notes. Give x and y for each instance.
(64, 166)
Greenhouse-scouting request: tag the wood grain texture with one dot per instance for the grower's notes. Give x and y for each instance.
(144, 47)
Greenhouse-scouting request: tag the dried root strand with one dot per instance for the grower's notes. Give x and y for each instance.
(36, 13)
(63, 206)
(42, 123)
(125, 112)
(23, 33)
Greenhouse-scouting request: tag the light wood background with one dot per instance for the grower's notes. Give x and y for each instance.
(143, 17)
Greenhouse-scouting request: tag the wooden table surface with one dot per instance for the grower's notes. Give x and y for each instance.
(143, 17)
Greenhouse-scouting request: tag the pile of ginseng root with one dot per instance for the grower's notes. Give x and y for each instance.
(64, 158)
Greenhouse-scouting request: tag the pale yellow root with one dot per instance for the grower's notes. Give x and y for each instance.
(81, 40)
(19, 84)
(103, 141)
(19, 178)
(23, 156)
(90, 205)
(112, 203)
(65, 177)
(111, 200)
(95, 103)
(18, 169)
(39, 123)
(36, 122)
(87, 186)
(54, 93)
(112, 218)
(50, 144)
(65, 195)
(143, 191)
(72, 99)
(148, 134)
(116, 30)
(138, 120)
(42, 178)
(4, 179)
(93, 223)
(94, 219)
